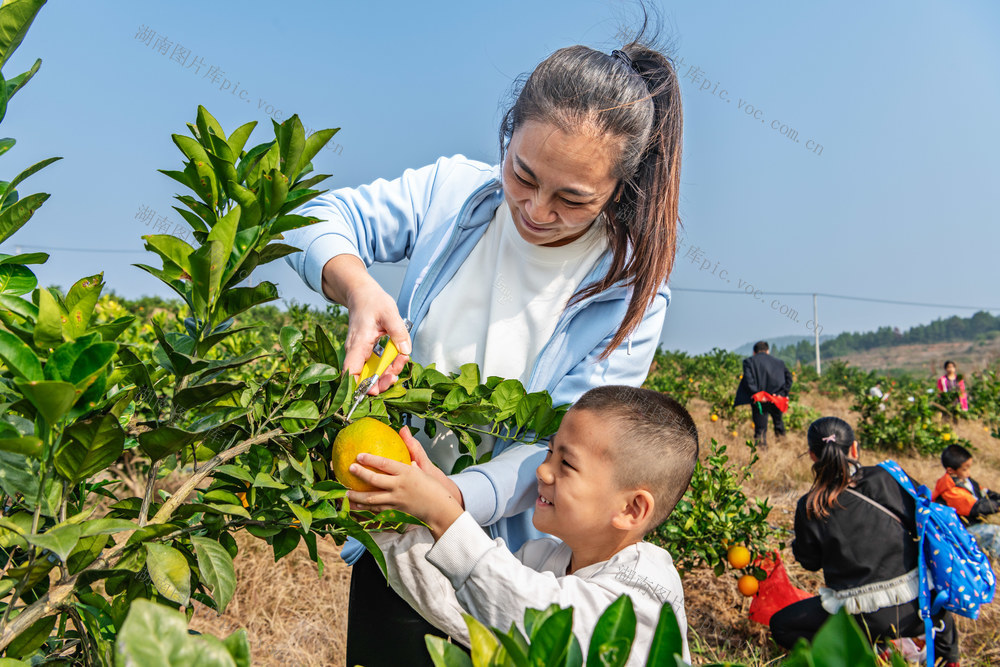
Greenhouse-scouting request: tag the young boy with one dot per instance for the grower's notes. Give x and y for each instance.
(621, 460)
(959, 491)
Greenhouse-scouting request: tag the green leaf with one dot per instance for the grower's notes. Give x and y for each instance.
(30, 640)
(169, 572)
(238, 299)
(445, 654)
(174, 251)
(49, 327)
(79, 304)
(105, 526)
(303, 515)
(550, 643)
(300, 416)
(290, 339)
(156, 636)
(238, 139)
(164, 441)
(216, 568)
(60, 541)
(314, 144)
(52, 399)
(91, 446)
(483, 643)
(27, 445)
(284, 543)
(613, 635)
(207, 124)
(13, 217)
(207, 266)
(35, 168)
(204, 394)
(15, 19)
(291, 142)
(841, 642)
(19, 358)
(468, 378)
(317, 373)
(667, 639)
(91, 362)
(17, 83)
(265, 481)
(16, 279)
(505, 398)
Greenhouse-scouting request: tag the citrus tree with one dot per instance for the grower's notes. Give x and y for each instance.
(243, 428)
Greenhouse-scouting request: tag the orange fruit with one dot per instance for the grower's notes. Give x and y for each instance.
(365, 436)
(735, 434)
(946, 436)
(714, 418)
(739, 557)
(748, 585)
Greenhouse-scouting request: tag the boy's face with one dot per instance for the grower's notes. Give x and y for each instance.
(963, 471)
(578, 496)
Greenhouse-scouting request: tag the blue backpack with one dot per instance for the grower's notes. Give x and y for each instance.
(954, 572)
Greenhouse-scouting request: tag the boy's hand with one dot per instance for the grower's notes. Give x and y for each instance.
(406, 488)
(420, 458)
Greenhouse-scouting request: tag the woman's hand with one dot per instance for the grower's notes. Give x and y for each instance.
(406, 488)
(371, 314)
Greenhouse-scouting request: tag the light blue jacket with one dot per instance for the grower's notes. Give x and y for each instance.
(434, 216)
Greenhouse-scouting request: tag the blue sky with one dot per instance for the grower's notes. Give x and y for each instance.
(902, 96)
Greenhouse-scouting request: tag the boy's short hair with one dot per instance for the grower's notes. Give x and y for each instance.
(954, 456)
(657, 442)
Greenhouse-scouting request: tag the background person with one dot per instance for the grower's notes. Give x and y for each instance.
(762, 372)
(952, 381)
(958, 490)
(550, 267)
(856, 524)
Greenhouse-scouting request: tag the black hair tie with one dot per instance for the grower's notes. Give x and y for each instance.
(622, 56)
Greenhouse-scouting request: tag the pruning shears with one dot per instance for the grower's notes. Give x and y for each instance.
(381, 358)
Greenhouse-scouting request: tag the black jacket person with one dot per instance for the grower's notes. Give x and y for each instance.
(762, 372)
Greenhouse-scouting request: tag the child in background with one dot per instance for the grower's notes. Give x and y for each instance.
(958, 490)
(952, 381)
(856, 524)
(621, 460)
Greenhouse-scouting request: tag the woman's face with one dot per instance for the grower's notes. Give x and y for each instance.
(555, 183)
(950, 369)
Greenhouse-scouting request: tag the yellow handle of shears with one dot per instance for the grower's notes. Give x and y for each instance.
(382, 357)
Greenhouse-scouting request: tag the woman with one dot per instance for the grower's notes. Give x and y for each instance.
(857, 524)
(550, 267)
(952, 381)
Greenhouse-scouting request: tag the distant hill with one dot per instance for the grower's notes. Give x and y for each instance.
(973, 340)
(779, 341)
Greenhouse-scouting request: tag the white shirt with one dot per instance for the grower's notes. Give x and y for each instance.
(466, 571)
(499, 310)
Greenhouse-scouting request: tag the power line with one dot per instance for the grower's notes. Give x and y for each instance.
(838, 296)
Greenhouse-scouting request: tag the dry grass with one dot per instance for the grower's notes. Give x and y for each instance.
(295, 618)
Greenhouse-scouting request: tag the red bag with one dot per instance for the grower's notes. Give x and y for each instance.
(781, 402)
(776, 592)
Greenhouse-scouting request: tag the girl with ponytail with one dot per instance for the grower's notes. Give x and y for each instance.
(549, 267)
(858, 526)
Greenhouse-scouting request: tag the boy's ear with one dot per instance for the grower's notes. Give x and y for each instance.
(636, 512)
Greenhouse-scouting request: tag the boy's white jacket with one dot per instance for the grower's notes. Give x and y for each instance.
(467, 571)
(433, 217)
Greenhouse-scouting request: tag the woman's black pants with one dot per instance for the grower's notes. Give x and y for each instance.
(804, 618)
(382, 629)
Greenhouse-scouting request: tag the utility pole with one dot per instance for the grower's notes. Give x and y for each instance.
(819, 370)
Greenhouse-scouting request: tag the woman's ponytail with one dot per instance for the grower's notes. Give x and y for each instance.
(830, 440)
